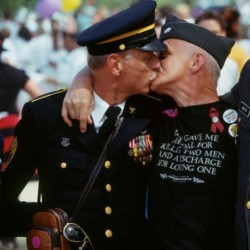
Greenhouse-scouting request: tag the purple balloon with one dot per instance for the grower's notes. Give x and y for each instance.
(46, 8)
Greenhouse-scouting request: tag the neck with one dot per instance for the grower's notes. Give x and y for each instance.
(195, 93)
(108, 90)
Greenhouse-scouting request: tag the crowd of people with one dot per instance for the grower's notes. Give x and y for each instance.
(178, 150)
(45, 47)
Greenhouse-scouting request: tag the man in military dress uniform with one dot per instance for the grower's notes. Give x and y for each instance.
(239, 96)
(123, 64)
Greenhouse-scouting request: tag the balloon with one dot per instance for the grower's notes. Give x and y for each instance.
(46, 8)
(70, 5)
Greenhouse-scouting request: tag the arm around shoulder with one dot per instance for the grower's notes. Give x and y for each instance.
(78, 102)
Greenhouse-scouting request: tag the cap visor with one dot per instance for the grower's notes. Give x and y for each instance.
(155, 46)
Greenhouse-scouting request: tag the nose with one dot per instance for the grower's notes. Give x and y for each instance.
(155, 64)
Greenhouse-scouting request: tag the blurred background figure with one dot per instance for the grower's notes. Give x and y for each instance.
(162, 13)
(9, 23)
(233, 26)
(9, 55)
(85, 14)
(12, 80)
(69, 62)
(184, 11)
(229, 73)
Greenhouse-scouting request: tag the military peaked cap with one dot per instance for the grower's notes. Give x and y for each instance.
(131, 28)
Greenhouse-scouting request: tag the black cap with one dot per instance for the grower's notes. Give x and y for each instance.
(131, 28)
(217, 46)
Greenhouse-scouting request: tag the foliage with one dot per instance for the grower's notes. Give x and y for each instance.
(16, 4)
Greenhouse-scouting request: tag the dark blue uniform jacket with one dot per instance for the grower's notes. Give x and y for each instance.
(240, 96)
(113, 215)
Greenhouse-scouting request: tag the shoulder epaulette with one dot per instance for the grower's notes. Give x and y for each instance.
(49, 94)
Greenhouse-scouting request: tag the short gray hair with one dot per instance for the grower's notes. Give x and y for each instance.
(211, 66)
(95, 62)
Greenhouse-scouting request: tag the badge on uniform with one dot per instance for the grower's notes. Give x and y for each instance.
(65, 142)
(244, 109)
(140, 148)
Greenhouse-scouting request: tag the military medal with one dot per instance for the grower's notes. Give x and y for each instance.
(140, 148)
(131, 152)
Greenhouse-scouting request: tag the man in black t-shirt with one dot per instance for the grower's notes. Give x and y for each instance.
(192, 191)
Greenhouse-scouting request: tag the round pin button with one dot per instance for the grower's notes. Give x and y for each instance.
(215, 119)
(248, 205)
(233, 130)
(230, 116)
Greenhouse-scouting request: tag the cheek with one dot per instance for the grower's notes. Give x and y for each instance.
(158, 82)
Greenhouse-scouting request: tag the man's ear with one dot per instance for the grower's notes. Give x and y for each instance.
(114, 64)
(197, 62)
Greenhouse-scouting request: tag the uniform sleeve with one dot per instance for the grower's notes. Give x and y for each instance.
(241, 88)
(22, 162)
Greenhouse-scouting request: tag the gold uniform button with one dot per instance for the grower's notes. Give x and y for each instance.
(122, 47)
(107, 164)
(108, 233)
(108, 210)
(63, 165)
(248, 205)
(108, 187)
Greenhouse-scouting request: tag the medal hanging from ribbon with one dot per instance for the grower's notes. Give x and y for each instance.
(140, 148)
(216, 124)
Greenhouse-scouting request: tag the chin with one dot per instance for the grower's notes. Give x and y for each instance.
(153, 87)
(144, 91)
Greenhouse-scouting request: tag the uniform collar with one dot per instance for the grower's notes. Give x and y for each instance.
(99, 110)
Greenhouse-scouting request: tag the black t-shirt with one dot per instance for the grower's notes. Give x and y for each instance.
(12, 80)
(193, 183)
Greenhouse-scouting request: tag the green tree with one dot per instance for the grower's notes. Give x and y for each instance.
(15, 5)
